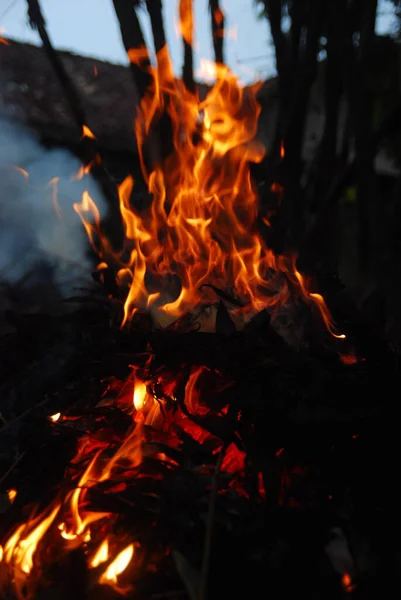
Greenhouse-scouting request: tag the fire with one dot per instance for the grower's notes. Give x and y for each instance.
(12, 494)
(218, 16)
(197, 239)
(53, 184)
(137, 55)
(201, 226)
(102, 554)
(207, 70)
(82, 171)
(81, 519)
(22, 171)
(118, 566)
(186, 21)
(86, 132)
(21, 547)
(139, 395)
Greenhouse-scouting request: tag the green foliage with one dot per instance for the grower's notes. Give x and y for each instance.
(260, 9)
(349, 196)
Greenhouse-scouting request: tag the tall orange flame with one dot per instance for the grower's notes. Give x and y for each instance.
(21, 546)
(186, 21)
(201, 226)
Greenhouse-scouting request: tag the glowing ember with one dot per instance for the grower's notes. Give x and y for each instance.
(347, 582)
(139, 395)
(348, 359)
(118, 566)
(55, 417)
(86, 132)
(12, 494)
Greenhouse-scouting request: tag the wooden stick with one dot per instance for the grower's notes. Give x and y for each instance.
(217, 23)
(38, 22)
(209, 527)
(187, 32)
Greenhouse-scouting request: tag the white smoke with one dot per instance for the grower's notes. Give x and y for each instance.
(33, 230)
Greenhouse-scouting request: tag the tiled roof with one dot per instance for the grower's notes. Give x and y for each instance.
(30, 92)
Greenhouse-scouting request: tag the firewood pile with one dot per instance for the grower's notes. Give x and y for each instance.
(270, 461)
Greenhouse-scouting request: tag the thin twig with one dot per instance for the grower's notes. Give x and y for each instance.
(10, 424)
(12, 467)
(210, 527)
(187, 27)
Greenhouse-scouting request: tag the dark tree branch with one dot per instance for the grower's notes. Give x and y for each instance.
(361, 107)
(37, 21)
(186, 21)
(274, 13)
(155, 10)
(134, 44)
(217, 23)
(165, 73)
(89, 148)
(293, 126)
(390, 124)
(326, 160)
(295, 12)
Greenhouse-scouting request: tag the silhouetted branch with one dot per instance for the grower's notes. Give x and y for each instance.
(134, 44)
(217, 22)
(187, 28)
(155, 10)
(390, 124)
(88, 150)
(37, 21)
